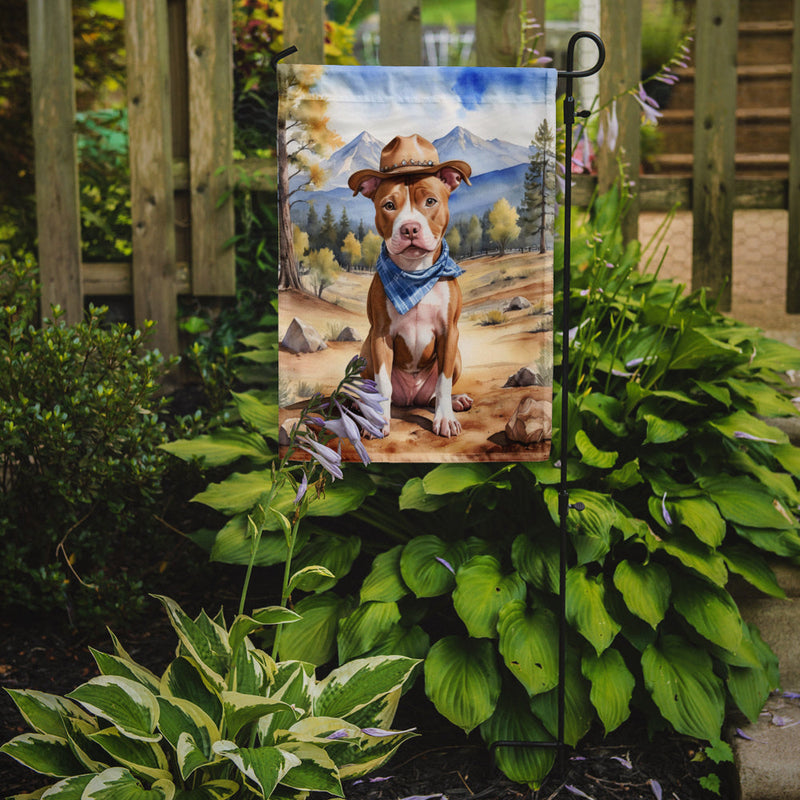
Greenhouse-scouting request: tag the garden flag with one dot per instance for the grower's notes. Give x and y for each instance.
(416, 231)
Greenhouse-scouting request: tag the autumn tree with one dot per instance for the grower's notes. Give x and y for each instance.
(323, 269)
(536, 217)
(454, 240)
(299, 242)
(371, 248)
(503, 227)
(474, 235)
(303, 137)
(351, 250)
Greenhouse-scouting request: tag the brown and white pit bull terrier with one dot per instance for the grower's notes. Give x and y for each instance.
(414, 301)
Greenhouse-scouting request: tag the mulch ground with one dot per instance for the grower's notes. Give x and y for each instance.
(441, 762)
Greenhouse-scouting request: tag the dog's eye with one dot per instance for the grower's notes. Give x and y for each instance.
(431, 201)
(389, 205)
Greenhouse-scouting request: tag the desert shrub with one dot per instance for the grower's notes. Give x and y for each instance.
(80, 470)
(684, 485)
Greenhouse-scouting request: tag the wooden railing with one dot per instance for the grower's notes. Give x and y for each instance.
(181, 133)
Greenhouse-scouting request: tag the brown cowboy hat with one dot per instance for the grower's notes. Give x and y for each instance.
(406, 155)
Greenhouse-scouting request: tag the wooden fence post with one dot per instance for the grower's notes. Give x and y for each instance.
(401, 33)
(714, 177)
(793, 266)
(56, 164)
(621, 28)
(210, 55)
(498, 31)
(152, 200)
(304, 27)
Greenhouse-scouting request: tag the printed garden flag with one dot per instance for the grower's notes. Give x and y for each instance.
(416, 213)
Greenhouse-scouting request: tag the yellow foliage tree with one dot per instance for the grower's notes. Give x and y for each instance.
(503, 224)
(323, 269)
(371, 248)
(351, 248)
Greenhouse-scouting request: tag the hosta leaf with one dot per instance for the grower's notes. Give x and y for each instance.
(767, 401)
(749, 687)
(608, 410)
(125, 668)
(413, 496)
(190, 756)
(740, 422)
(745, 502)
(145, 759)
(242, 709)
(774, 355)
(663, 431)
(68, 789)
(385, 582)
(365, 627)
(753, 567)
(223, 446)
(513, 721)
(126, 704)
(334, 553)
(788, 455)
(182, 679)
(709, 609)
(627, 476)
(578, 710)
(597, 517)
(529, 645)
(178, 716)
(358, 683)
(244, 625)
(316, 771)
(694, 554)
(294, 684)
(481, 591)
(462, 680)
(591, 455)
(450, 478)
(782, 543)
(399, 640)
(612, 687)
(696, 349)
(313, 638)
(537, 561)
(264, 766)
(701, 517)
(261, 416)
(233, 544)
(428, 565)
(44, 753)
(646, 589)
(118, 784)
(45, 712)
(683, 685)
(586, 608)
(212, 790)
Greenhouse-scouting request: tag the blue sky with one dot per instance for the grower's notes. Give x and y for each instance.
(502, 103)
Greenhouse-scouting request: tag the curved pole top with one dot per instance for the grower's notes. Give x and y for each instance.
(570, 72)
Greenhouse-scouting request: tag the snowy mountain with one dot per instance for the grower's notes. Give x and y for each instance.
(363, 152)
(483, 155)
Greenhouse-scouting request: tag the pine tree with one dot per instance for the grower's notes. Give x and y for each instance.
(313, 225)
(540, 181)
(328, 232)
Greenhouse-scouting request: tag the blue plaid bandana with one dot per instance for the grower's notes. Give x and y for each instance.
(406, 289)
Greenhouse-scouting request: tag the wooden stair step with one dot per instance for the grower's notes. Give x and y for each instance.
(766, 164)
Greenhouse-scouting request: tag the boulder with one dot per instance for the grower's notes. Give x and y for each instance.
(526, 376)
(518, 303)
(348, 334)
(532, 422)
(302, 338)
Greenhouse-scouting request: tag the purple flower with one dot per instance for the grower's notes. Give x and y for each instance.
(751, 437)
(649, 106)
(380, 732)
(328, 459)
(344, 427)
(608, 132)
(301, 489)
(655, 786)
(742, 735)
(446, 564)
(342, 733)
(624, 761)
(664, 512)
(577, 792)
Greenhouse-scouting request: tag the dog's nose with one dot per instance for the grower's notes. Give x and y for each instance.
(410, 230)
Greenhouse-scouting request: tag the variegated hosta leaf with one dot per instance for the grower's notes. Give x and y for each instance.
(78, 733)
(190, 755)
(481, 591)
(145, 759)
(262, 766)
(294, 684)
(126, 704)
(180, 717)
(358, 683)
(68, 789)
(373, 752)
(44, 753)
(204, 641)
(125, 668)
(242, 709)
(586, 608)
(428, 565)
(529, 645)
(117, 783)
(462, 680)
(646, 589)
(212, 790)
(45, 712)
(683, 685)
(612, 686)
(385, 581)
(710, 610)
(578, 710)
(183, 679)
(316, 771)
(366, 627)
(513, 721)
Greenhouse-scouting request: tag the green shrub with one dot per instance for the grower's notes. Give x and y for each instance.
(79, 466)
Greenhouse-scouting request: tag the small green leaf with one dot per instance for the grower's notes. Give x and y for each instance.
(261, 416)
(385, 581)
(223, 446)
(612, 687)
(536, 560)
(241, 709)
(117, 783)
(414, 497)
(529, 645)
(365, 627)
(313, 637)
(453, 478)
(646, 589)
(428, 565)
(586, 608)
(663, 431)
(748, 562)
(709, 609)
(462, 680)
(591, 456)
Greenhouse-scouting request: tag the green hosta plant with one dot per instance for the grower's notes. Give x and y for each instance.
(224, 720)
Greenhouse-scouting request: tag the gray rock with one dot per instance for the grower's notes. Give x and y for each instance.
(348, 335)
(526, 376)
(517, 303)
(302, 338)
(532, 421)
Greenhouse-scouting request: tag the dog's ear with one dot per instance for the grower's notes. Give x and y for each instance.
(369, 186)
(450, 176)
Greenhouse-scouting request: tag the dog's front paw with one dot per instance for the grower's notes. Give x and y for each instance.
(447, 426)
